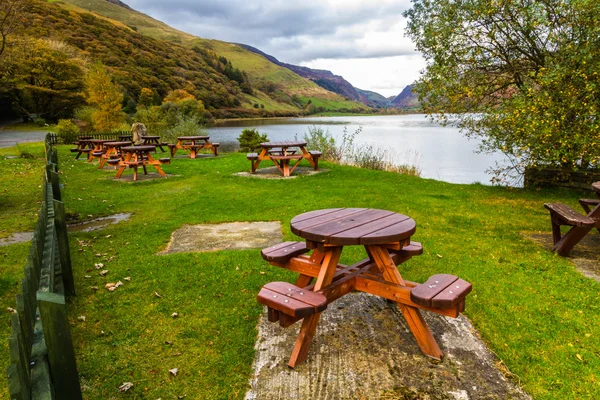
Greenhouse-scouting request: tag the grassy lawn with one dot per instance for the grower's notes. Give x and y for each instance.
(536, 312)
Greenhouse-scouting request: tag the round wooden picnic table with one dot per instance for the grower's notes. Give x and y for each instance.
(353, 226)
(117, 144)
(98, 141)
(283, 144)
(138, 149)
(183, 138)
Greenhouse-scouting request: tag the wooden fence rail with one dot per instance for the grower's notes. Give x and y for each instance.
(41, 350)
(68, 139)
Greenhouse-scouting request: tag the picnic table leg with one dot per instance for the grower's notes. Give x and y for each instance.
(309, 325)
(412, 315)
(123, 165)
(286, 167)
(135, 167)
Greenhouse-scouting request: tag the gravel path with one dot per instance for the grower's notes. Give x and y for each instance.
(10, 138)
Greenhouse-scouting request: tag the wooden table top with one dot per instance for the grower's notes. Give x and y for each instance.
(596, 187)
(151, 137)
(193, 138)
(115, 144)
(283, 144)
(98, 141)
(132, 149)
(353, 226)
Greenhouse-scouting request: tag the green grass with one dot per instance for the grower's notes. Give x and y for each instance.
(535, 311)
(28, 127)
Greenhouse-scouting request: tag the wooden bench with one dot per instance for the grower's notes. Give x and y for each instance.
(252, 156)
(581, 225)
(164, 160)
(283, 252)
(441, 291)
(283, 297)
(113, 161)
(315, 156)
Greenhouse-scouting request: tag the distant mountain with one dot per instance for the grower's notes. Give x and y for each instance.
(406, 99)
(325, 79)
(376, 99)
(120, 4)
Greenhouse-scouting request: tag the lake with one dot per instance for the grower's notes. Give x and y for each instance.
(441, 153)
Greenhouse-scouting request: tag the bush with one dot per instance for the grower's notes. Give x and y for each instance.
(250, 140)
(67, 130)
(185, 126)
(318, 139)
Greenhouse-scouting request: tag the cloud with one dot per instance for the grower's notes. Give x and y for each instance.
(296, 32)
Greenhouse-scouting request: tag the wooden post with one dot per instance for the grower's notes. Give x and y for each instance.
(54, 180)
(61, 356)
(60, 223)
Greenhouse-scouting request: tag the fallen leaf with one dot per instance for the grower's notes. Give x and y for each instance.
(81, 318)
(88, 276)
(174, 371)
(177, 354)
(262, 272)
(94, 288)
(11, 310)
(110, 286)
(579, 357)
(101, 333)
(157, 295)
(98, 265)
(174, 315)
(118, 284)
(107, 236)
(104, 272)
(127, 279)
(439, 256)
(125, 386)
(169, 343)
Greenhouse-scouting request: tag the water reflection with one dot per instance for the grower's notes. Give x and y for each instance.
(442, 153)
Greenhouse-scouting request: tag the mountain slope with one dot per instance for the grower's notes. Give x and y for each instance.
(275, 85)
(406, 99)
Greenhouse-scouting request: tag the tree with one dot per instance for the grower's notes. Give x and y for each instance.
(10, 14)
(106, 98)
(520, 74)
(42, 77)
(146, 98)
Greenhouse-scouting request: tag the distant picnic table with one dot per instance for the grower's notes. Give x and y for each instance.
(282, 153)
(385, 236)
(192, 144)
(138, 156)
(111, 151)
(581, 225)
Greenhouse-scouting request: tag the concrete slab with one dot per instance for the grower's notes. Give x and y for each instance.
(228, 236)
(585, 255)
(273, 173)
(364, 350)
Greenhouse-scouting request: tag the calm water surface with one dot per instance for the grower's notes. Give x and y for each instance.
(442, 153)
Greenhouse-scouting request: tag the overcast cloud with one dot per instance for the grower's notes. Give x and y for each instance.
(361, 40)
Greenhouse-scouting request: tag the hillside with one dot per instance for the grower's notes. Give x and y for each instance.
(406, 99)
(275, 87)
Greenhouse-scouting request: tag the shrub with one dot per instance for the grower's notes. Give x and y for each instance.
(185, 126)
(250, 140)
(67, 130)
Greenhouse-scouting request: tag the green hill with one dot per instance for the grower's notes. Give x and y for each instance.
(276, 88)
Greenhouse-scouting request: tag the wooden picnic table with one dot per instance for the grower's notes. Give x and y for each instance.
(98, 149)
(126, 138)
(281, 153)
(82, 145)
(386, 237)
(112, 150)
(153, 141)
(192, 144)
(580, 225)
(138, 156)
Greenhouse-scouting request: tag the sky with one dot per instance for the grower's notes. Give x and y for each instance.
(361, 40)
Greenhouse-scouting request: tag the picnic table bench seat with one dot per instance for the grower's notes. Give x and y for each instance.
(113, 161)
(282, 252)
(562, 214)
(164, 160)
(441, 291)
(283, 297)
(286, 157)
(252, 156)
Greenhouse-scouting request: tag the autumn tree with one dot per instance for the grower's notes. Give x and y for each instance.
(10, 14)
(43, 78)
(146, 98)
(106, 98)
(521, 75)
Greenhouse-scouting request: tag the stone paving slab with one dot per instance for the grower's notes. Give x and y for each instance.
(228, 236)
(364, 350)
(585, 255)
